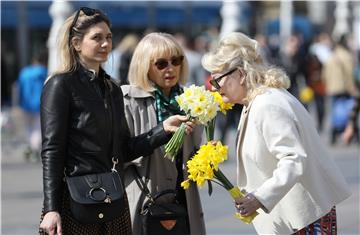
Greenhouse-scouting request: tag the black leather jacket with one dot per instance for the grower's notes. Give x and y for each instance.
(77, 130)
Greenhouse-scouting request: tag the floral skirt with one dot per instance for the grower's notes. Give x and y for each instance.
(326, 225)
(120, 225)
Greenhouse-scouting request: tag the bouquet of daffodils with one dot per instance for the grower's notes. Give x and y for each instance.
(204, 166)
(199, 104)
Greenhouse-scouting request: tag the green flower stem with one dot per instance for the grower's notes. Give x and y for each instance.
(218, 182)
(222, 178)
(210, 130)
(175, 143)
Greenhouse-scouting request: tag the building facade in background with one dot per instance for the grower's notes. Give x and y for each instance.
(25, 25)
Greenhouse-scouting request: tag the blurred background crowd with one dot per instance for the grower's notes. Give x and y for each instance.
(317, 43)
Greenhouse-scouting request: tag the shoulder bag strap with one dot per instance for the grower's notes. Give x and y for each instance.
(114, 157)
(140, 182)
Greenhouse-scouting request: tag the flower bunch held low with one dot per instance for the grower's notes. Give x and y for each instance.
(199, 104)
(205, 166)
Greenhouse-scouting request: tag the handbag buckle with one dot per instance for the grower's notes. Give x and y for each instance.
(99, 194)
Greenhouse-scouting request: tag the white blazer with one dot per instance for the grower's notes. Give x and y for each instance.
(283, 161)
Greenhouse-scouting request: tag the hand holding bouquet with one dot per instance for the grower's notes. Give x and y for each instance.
(205, 166)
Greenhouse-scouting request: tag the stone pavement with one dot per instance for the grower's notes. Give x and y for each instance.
(22, 196)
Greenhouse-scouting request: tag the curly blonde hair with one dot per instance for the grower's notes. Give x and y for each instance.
(237, 50)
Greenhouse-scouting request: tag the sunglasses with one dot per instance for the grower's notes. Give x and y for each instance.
(215, 82)
(164, 63)
(87, 11)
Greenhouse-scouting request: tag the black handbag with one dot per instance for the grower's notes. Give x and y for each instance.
(164, 218)
(98, 198)
(161, 218)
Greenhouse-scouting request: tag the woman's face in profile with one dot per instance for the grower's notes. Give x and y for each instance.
(232, 87)
(165, 71)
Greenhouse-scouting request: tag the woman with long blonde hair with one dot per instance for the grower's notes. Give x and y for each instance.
(80, 109)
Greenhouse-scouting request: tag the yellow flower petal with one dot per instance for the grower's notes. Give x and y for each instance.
(185, 184)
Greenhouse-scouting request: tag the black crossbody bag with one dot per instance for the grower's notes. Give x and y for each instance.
(161, 218)
(98, 198)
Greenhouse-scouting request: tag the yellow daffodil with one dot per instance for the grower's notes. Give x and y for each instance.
(199, 104)
(224, 107)
(185, 184)
(204, 165)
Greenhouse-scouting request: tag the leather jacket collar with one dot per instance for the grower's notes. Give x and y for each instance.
(91, 75)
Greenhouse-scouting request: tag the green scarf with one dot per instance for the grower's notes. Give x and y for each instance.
(167, 106)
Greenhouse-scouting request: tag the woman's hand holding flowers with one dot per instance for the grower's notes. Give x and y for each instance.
(171, 124)
(247, 205)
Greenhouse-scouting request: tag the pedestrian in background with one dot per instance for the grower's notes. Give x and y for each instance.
(80, 107)
(117, 65)
(291, 61)
(197, 74)
(5, 84)
(30, 83)
(128, 45)
(319, 54)
(290, 178)
(340, 86)
(352, 128)
(158, 71)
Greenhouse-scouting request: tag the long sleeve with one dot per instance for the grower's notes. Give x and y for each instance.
(146, 143)
(282, 139)
(54, 123)
(143, 144)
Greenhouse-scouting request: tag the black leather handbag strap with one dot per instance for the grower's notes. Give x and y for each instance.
(108, 88)
(143, 185)
(139, 181)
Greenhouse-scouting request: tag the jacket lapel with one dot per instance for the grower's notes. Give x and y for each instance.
(241, 178)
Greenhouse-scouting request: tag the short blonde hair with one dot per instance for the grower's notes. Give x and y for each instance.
(236, 50)
(152, 46)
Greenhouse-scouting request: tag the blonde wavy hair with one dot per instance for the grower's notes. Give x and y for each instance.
(69, 57)
(236, 50)
(153, 46)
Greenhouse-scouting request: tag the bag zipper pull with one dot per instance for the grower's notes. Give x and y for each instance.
(107, 199)
(105, 104)
(115, 162)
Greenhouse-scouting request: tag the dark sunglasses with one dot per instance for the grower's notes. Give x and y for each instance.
(163, 63)
(215, 82)
(87, 11)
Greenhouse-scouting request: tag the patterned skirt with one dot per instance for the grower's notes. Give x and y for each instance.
(120, 225)
(326, 225)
